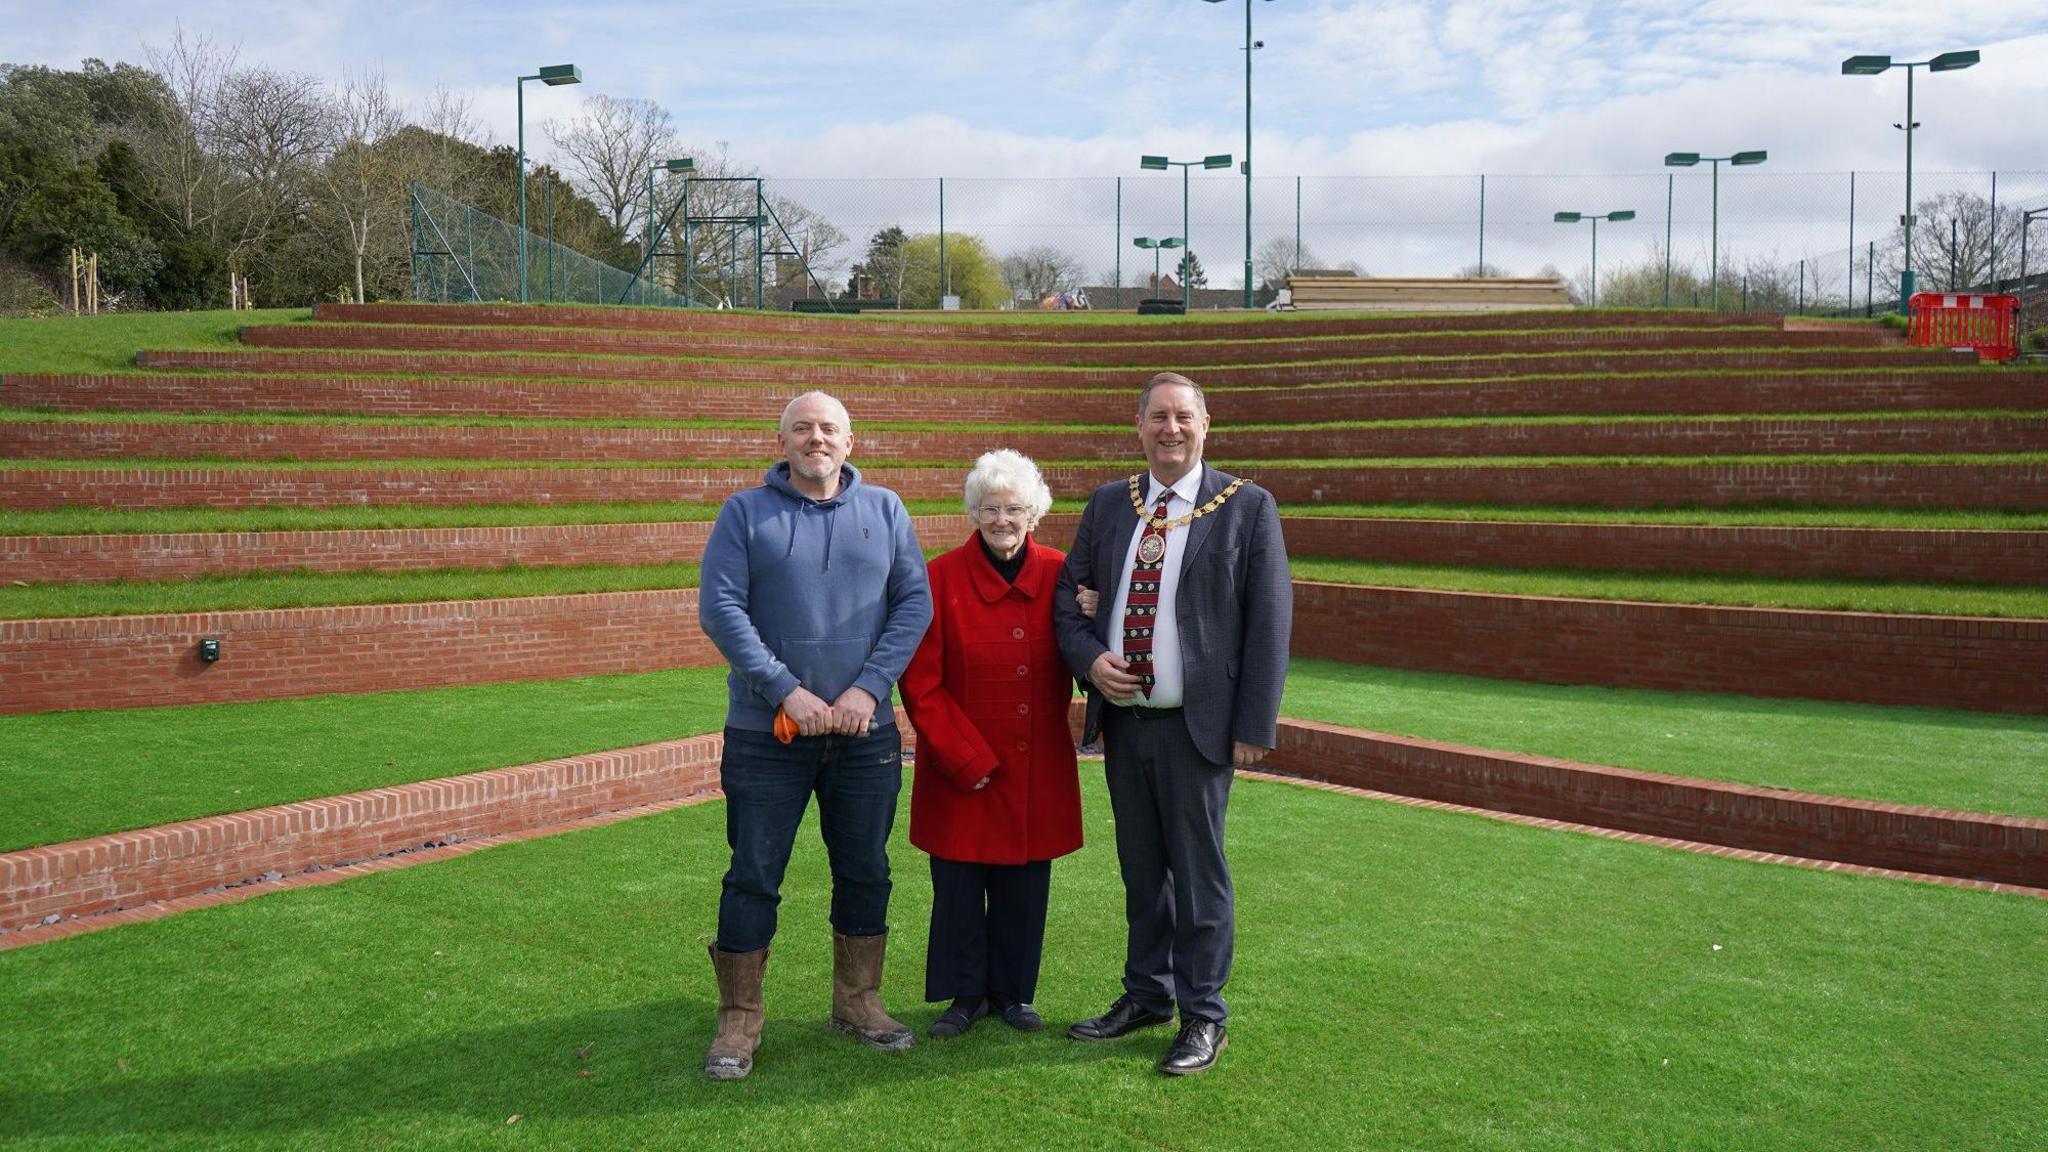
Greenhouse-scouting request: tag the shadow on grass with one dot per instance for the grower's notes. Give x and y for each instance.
(625, 1062)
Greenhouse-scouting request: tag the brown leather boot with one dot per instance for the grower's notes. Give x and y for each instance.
(739, 1012)
(856, 1000)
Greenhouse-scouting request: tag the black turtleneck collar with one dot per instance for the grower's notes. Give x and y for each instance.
(1007, 569)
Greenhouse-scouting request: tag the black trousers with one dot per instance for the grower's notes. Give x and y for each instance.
(988, 930)
(1170, 802)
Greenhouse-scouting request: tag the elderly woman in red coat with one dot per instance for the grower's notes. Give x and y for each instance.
(997, 794)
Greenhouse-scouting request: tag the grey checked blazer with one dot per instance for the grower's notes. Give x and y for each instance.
(1234, 606)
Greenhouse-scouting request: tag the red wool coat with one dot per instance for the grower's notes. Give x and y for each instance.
(988, 692)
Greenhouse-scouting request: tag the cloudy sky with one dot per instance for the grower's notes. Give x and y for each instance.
(1078, 87)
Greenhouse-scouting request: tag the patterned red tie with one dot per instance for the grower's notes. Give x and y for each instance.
(1141, 603)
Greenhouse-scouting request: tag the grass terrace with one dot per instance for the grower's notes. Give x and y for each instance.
(68, 775)
(1439, 981)
(93, 344)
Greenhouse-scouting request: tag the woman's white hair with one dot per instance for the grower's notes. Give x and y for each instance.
(1008, 470)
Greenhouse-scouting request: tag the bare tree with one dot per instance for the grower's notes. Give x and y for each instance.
(177, 146)
(609, 150)
(271, 127)
(1278, 258)
(364, 173)
(1039, 271)
(815, 238)
(1956, 243)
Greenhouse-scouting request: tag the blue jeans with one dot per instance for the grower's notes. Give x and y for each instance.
(768, 785)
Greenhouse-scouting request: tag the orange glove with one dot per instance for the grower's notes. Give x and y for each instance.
(785, 728)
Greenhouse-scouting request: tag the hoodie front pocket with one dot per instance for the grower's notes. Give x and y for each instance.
(826, 667)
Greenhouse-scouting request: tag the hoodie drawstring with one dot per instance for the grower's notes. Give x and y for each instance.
(831, 522)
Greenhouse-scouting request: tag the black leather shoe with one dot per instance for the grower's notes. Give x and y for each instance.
(1022, 1017)
(1195, 1049)
(1123, 1018)
(958, 1018)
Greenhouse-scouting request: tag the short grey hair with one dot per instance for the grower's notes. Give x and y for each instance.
(1008, 470)
(1165, 378)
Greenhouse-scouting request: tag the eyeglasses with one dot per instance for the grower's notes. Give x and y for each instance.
(988, 513)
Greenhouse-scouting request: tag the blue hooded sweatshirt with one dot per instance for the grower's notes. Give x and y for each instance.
(827, 594)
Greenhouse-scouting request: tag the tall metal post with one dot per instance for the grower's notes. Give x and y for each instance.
(1714, 237)
(1187, 247)
(1596, 263)
(1991, 274)
(686, 278)
(942, 240)
(1852, 244)
(549, 196)
(1870, 280)
(1670, 183)
(1247, 153)
(760, 217)
(1482, 225)
(1906, 273)
(1297, 223)
(1119, 241)
(523, 189)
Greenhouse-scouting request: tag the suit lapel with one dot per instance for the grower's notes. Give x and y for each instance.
(1198, 530)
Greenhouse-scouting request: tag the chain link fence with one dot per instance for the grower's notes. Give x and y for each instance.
(463, 254)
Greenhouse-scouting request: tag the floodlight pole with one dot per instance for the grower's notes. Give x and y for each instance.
(552, 75)
(1871, 66)
(1618, 215)
(2027, 222)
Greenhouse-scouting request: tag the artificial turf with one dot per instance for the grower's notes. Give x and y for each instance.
(1405, 978)
(1932, 757)
(1832, 595)
(65, 775)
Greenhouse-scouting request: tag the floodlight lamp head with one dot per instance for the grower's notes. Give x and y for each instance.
(684, 165)
(1220, 161)
(1624, 214)
(1566, 218)
(1744, 158)
(1953, 61)
(1152, 163)
(1144, 242)
(1865, 65)
(1172, 242)
(556, 75)
(1681, 159)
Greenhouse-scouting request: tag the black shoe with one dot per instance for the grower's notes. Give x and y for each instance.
(959, 1018)
(1022, 1017)
(1123, 1018)
(1195, 1049)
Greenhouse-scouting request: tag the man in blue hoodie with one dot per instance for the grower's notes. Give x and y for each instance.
(814, 589)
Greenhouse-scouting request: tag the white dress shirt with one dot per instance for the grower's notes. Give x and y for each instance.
(1168, 677)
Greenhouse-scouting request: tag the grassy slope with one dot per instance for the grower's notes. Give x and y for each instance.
(70, 774)
(108, 343)
(1404, 979)
(1931, 757)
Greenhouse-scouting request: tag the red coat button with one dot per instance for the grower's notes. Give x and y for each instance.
(1023, 709)
(1016, 633)
(1023, 746)
(1023, 669)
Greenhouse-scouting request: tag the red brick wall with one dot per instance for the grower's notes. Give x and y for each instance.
(76, 440)
(172, 860)
(178, 556)
(1269, 349)
(2008, 389)
(2003, 849)
(2010, 486)
(140, 661)
(873, 324)
(796, 377)
(1990, 665)
(1840, 553)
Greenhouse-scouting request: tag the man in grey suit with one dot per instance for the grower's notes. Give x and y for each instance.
(1184, 659)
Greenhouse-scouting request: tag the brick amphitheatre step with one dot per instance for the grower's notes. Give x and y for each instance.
(1978, 663)
(792, 377)
(1961, 555)
(875, 325)
(127, 870)
(84, 440)
(1184, 355)
(2008, 389)
(1995, 485)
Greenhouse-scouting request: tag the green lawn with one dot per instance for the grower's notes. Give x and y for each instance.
(1681, 588)
(93, 344)
(65, 775)
(86, 521)
(308, 590)
(1932, 757)
(1405, 979)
